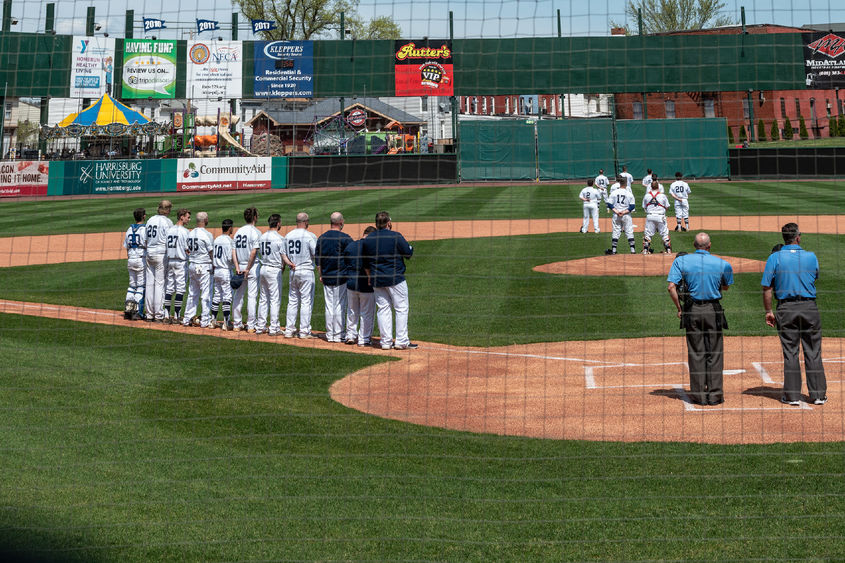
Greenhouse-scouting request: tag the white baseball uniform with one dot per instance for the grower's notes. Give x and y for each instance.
(177, 265)
(681, 191)
(223, 264)
(590, 197)
(655, 205)
(271, 247)
(621, 199)
(200, 246)
(135, 243)
(246, 239)
(629, 180)
(155, 273)
(300, 248)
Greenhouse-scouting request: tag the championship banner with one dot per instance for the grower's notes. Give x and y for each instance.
(215, 69)
(284, 69)
(824, 60)
(213, 174)
(423, 68)
(91, 66)
(149, 69)
(23, 178)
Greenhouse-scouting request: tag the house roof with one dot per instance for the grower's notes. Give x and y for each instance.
(834, 27)
(326, 109)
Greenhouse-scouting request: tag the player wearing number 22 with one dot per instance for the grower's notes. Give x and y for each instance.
(246, 245)
(300, 248)
(271, 249)
(200, 246)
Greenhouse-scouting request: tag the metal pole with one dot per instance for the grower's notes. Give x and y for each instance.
(742, 16)
(454, 102)
(234, 26)
(50, 20)
(752, 131)
(342, 26)
(129, 25)
(3, 119)
(639, 21)
(614, 134)
(89, 21)
(7, 15)
(558, 23)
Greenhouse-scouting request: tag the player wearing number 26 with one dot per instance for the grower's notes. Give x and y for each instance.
(157, 227)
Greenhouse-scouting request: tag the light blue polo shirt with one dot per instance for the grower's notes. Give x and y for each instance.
(705, 274)
(792, 272)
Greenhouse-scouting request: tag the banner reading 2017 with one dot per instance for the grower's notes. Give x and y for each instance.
(424, 68)
(149, 69)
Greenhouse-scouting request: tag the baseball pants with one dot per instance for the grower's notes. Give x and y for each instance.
(705, 354)
(361, 306)
(622, 223)
(135, 291)
(222, 289)
(682, 209)
(250, 289)
(154, 277)
(300, 298)
(199, 292)
(656, 223)
(388, 300)
(591, 210)
(176, 277)
(335, 297)
(270, 283)
(799, 322)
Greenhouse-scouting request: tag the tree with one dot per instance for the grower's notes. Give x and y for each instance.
(309, 19)
(775, 132)
(676, 15)
(841, 127)
(742, 136)
(802, 128)
(833, 126)
(761, 131)
(788, 132)
(26, 132)
(730, 135)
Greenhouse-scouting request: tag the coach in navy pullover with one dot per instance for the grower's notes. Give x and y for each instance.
(384, 253)
(329, 253)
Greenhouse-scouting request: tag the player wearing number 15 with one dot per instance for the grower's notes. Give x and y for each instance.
(156, 256)
(271, 250)
(300, 248)
(246, 245)
(200, 245)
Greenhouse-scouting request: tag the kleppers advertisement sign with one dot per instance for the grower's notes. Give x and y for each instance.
(215, 69)
(424, 68)
(149, 69)
(824, 60)
(284, 69)
(212, 174)
(91, 66)
(23, 177)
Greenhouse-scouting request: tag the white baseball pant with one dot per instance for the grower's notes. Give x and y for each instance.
(154, 277)
(682, 209)
(250, 288)
(388, 300)
(300, 298)
(135, 291)
(176, 278)
(222, 289)
(199, 292)
(335, 297)
(361, 306)
(656, 223)
(591, 210)
(270, 283)
(622, 223)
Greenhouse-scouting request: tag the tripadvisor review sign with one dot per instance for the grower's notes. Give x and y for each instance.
(149, 69)
(211, 174)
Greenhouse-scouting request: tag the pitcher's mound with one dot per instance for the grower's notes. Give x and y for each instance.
(628, 264)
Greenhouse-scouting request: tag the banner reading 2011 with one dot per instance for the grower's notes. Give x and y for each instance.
(424, 68)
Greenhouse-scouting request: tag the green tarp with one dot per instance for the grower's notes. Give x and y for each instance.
(497, 150)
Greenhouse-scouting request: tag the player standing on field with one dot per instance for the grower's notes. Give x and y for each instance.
(155, 273)
(629, 179)
(200, 246)
(359, 291)
(655, 205)
(601, 183)
(135, 243)
(271, 250)
(329, 256)
(246, 245)
(679, 190)
(647, 180)
(590, 196)
(223, 260)
(621, 204)
(300, 248)
(177, 256)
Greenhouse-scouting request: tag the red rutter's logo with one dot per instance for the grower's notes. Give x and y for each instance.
(830, 45)
(411, 51)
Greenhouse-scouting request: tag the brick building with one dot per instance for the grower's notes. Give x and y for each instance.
(815, 106)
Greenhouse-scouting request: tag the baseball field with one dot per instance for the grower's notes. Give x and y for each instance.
(542, 418)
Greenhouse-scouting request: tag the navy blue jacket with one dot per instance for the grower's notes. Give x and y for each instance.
(384, 253)
(329, 256)
(356, 277)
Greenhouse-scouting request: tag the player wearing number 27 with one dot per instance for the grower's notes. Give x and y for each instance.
(200, 246)
(177, 265)
(271, 249)
(301, 246)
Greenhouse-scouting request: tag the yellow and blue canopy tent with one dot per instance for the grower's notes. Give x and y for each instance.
(104, 111)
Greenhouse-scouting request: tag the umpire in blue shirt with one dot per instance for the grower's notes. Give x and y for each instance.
(707, 276)
(791, 275)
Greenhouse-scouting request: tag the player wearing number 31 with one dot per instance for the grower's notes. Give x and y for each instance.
(271, 248)
(200, 246)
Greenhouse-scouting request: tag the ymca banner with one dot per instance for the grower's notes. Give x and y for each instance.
(91, 66)
(213, 174)
(23, 178)
(149, 69)
(824, 60)
(284, 69)
(215, 69)
(424, 68)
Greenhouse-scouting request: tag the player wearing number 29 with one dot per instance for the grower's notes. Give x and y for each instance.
(200, 246)
(154, 275)
(177, 265)
(223, 260)
(300, 246)
(135, 243)
(329, 254)
(621, 204)
(246, 245)
(271, 249)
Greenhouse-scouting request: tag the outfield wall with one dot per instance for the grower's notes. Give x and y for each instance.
(787, 162)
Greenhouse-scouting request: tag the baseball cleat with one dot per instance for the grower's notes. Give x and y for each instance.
(275, 332)
(289, 335)
(195, 321)
(609, 252)
(408, 346)
(820, 401)
(308, 336)
(349, 341)
(250, 331)
(224, 326)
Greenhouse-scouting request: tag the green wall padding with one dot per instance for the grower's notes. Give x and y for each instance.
(497, 150)
(573, 148)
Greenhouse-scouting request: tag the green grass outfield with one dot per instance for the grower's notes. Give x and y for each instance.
(147, 446)
(50, 216)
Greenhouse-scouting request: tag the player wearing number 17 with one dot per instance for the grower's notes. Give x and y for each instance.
(200, 246)
(271, 250)
(621, 204)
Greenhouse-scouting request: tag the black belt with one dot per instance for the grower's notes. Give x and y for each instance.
(797, 298)
(697, 302)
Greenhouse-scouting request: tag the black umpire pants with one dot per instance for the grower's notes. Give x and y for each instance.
(705, 352)
(800, 322)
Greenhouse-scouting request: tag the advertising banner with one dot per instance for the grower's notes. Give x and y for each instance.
(149, 69)
(91, 66)
(824, 60)
(284, 69)
(23, 178)
(215, 69)
(424, 68)
(212, 174)
(115, 176)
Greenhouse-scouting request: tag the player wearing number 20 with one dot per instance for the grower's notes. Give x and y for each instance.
(223, 260)
(135, 243)
(200, 246)
(680, 191)
(300, 248)
(246, 245)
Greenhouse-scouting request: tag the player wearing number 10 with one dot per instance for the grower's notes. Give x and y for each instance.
(224, 260)
(300, 248)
